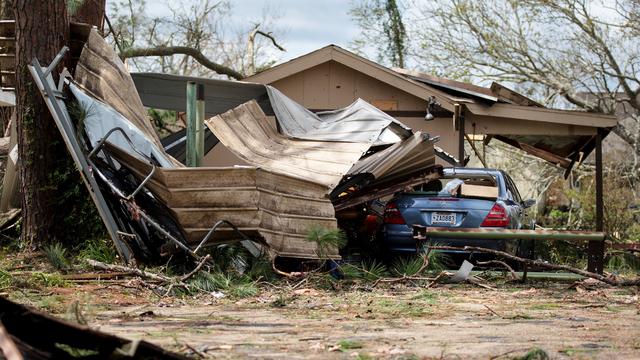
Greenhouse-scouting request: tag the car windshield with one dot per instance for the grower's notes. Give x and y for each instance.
(484, 186)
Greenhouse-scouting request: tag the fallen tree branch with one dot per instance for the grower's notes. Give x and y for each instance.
(196, 54)
(197, 268)
(143, 274)
(604, 279)
(502, 263)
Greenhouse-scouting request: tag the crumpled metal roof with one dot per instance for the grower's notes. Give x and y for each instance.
(358, 122)
(404, 157)
(249, 134)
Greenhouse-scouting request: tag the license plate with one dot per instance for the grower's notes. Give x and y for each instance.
(443, 218)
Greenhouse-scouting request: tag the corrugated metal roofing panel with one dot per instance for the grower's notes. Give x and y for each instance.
(102, 74)
(408, 156)
(247, 133)
(276, 207)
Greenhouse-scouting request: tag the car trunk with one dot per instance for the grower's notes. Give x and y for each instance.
(444, 211)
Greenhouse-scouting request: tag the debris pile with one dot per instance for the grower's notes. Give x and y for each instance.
(300, 169)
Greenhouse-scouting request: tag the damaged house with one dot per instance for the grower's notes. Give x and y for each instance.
(303, 144)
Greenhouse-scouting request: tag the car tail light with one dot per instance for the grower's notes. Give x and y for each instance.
(497, 217)
(392, 215)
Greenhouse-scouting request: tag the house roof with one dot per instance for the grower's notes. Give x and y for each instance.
(496, 102)
(358, 63)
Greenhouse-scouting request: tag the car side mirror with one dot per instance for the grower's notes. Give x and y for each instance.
(528, 203)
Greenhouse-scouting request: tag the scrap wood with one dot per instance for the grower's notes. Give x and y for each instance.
(607, 280)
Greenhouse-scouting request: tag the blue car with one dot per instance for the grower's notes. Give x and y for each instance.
(461, 198)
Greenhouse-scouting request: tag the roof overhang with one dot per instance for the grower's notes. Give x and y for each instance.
(168, 92)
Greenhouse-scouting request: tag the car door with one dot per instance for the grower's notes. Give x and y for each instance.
(515, 202)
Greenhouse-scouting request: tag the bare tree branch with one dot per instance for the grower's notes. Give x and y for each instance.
(251, 44)
(184, 50)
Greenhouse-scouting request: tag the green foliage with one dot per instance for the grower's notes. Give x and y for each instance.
(534, 354)
(101, 250)
(438, 260)
(6, 279)
(349, 344)
(327, 240)
(407, 266)
(368, 270)
(56, 254)
(381, 26)
(260, 268)
(623, 263)
(237, 286)
(47, 280)
(162, 119)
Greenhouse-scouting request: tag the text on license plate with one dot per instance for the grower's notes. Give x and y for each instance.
(443, 218)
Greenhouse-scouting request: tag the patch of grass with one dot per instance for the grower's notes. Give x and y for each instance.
(425, 295)
(399, 308)
(374, 270)
(347, 344)
(51, 303)
(56, 254)
(407, 266)
(534, 354)
(367, 270)
(261, 268)
(6, 279)
(519, 317)
(98, 249)
(241, 286)
(438, 261)
(544, 306)
(244, 290)
(614, 309)
(571, 352)
(47, 280)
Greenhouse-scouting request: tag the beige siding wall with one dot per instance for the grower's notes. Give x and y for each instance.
(332, 85)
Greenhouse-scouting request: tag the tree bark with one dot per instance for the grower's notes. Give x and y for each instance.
(90, 12)
(42, 28)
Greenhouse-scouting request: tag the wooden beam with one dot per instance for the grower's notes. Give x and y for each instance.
(596, 249)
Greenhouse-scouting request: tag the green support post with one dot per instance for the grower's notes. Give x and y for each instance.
(200, 123)
(192, 128)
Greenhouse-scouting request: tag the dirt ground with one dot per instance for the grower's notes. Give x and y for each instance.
(391, 322)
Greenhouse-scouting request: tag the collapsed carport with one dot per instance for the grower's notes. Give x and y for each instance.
(563, 138)
(151, 203)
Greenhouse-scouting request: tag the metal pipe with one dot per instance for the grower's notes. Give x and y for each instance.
(422, 233)
(200, 124)
(192, 152)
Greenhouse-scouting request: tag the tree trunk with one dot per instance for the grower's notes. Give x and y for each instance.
(42, 28)
(90, 12)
